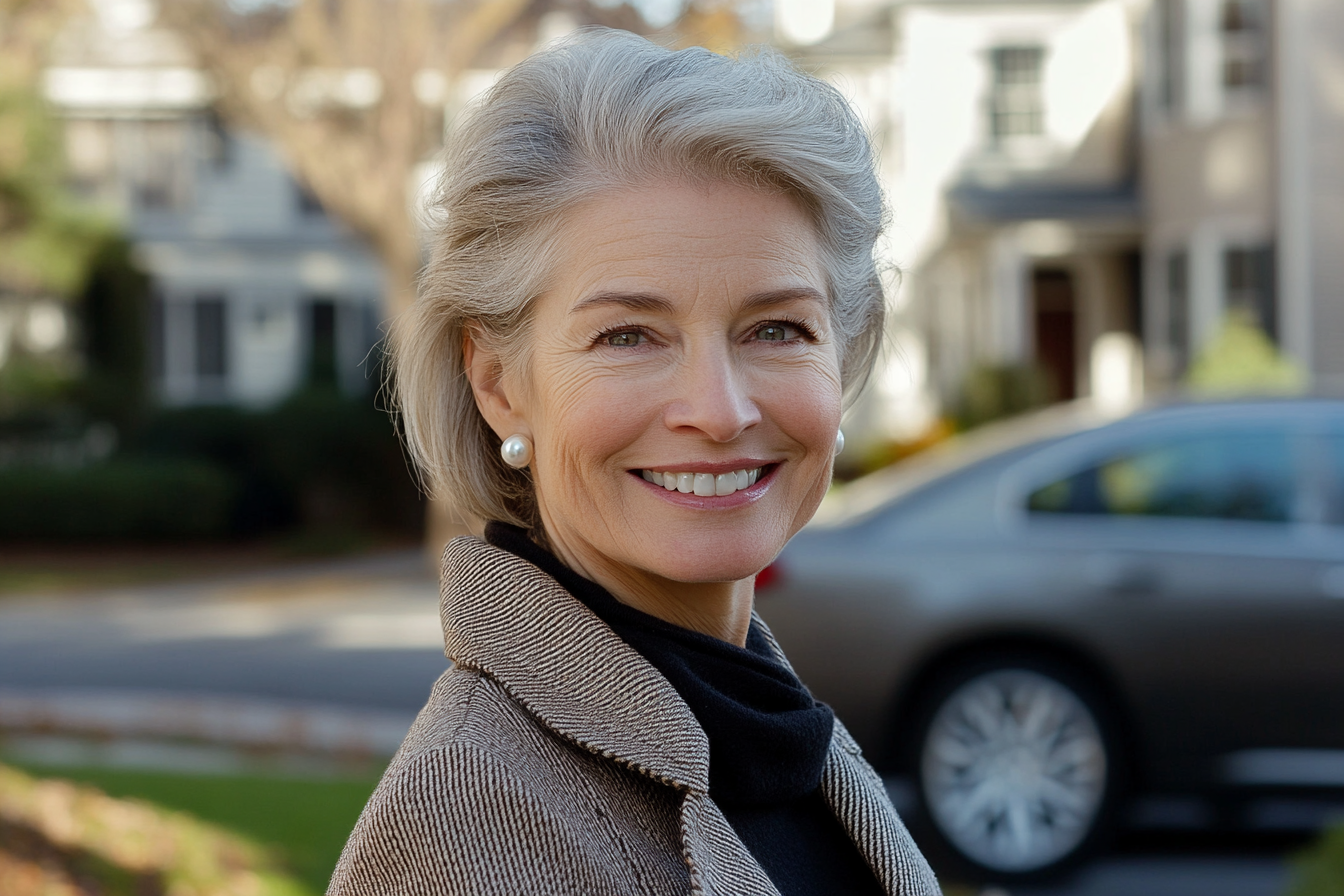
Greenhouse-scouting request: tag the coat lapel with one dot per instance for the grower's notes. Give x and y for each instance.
(859, 800)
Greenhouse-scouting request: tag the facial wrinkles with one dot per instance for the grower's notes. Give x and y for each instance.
(599, 413)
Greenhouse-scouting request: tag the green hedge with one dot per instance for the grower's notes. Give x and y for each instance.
(319, 464)
(318, 461)
(168, 498)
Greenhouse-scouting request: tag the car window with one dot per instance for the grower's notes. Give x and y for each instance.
(1333, 499)
(1228, 475)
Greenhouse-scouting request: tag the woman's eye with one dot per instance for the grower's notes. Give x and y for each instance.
(623, 339)
(777, 332)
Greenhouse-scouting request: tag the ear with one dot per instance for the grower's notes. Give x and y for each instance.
(485, 372)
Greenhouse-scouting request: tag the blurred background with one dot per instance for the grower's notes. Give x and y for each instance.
(216, 586)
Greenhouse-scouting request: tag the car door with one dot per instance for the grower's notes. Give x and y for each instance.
(1199, 547)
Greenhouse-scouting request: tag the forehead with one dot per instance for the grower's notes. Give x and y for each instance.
(683, 241)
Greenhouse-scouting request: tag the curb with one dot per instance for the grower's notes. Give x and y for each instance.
(32, 718)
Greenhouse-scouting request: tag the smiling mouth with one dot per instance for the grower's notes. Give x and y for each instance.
(706, 485)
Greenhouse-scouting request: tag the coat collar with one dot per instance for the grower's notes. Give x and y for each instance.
(503, 616)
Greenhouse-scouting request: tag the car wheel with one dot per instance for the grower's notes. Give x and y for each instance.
(1016, 767)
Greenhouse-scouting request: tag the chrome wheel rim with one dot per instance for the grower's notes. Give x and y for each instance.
(1014, 770)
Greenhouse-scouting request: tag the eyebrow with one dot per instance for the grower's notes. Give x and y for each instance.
(640, 301)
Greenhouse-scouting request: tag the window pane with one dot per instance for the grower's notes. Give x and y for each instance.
(211, 344)
(1016, 106)
(1248, 285)
(1241, 15)
(1178, 309)
(1234, 476)
(1172, 62)
(158, 337)
(1333, 503)
(322, 345)
(1242, 23)
(156, 155)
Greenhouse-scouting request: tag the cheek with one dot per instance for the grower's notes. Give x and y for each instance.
(583, 420)
(808, 402)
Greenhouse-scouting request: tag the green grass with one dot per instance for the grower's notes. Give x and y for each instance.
(306, 820)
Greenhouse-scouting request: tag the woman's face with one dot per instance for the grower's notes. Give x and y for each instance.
(686, 339)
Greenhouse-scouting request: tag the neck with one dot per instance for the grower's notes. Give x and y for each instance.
(719, 609)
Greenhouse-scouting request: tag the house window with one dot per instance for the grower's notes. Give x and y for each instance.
(211, 338)
(1016, 104)
(158, 336)
(1242, 31)
(322, 343)
(157, 158)
(308, 204)
(1171, 54)
(216, 142)
(90, 156)
(1248, 285)
(1178, 310)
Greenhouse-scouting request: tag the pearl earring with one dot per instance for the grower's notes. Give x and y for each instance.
(516, 451)
(839, 440)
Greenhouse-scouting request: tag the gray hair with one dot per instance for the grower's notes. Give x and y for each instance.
(601, 110)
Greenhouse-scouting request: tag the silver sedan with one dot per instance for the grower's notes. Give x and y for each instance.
(1066, 611)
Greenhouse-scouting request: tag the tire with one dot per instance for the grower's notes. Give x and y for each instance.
(1017, 768)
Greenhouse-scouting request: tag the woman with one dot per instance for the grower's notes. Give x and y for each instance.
(652, 287)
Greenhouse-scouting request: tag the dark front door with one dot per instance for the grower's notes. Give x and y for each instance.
(1054, 321)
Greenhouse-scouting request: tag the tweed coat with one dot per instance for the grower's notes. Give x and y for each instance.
(553, 759)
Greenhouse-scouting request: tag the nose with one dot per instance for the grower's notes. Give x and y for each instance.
(712, 398)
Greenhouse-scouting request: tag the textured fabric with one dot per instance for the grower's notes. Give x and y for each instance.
(768, 737)
(553, 759)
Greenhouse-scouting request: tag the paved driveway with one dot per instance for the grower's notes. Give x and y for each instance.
(358, 633)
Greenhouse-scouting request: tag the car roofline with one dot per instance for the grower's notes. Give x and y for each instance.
(860, 498)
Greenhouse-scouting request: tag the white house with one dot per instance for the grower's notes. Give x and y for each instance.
(256, 289)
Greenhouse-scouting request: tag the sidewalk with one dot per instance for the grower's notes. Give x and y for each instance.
(306, 667)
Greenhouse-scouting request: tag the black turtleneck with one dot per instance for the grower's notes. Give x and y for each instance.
(768, 738)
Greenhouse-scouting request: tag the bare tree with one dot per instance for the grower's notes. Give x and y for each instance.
(26, 31)
(351, 92)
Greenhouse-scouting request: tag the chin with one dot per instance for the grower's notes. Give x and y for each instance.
(711, 559)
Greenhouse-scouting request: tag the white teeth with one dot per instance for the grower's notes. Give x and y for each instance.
(706, 485)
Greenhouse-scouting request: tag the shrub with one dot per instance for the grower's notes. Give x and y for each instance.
(319, 461)
(116, 499)
(992, 392)
(1241, 359)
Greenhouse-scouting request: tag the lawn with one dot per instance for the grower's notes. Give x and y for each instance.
(306, 820)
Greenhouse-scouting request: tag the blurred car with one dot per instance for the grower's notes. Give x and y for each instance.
(1066, 611)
